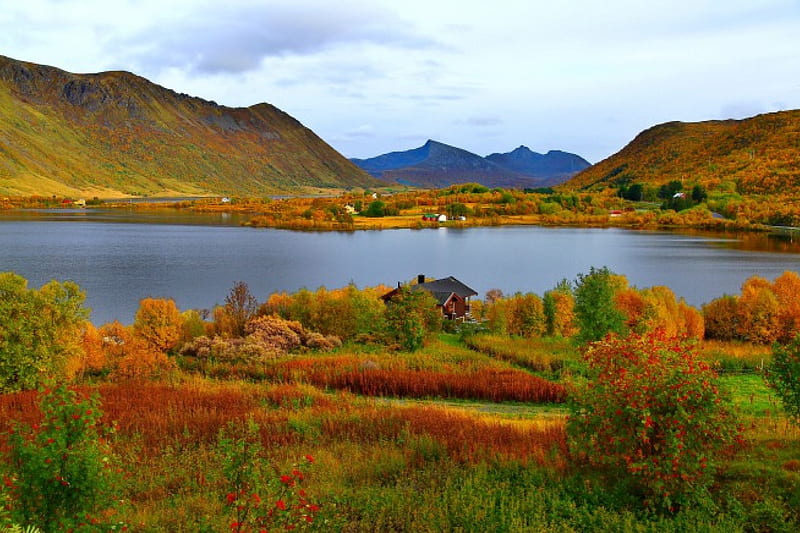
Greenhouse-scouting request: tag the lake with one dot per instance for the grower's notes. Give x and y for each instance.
(119, 257)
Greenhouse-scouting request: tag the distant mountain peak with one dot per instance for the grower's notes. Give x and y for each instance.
(435, 164)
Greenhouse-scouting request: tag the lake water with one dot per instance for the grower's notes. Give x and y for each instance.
(119, 257)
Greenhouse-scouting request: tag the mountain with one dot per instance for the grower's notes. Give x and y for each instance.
(553, 166)
(115, 134)
(439, 165)
(756, 155)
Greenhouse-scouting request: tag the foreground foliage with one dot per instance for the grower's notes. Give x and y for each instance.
(652, 415)
(62, 475)
(465, 432)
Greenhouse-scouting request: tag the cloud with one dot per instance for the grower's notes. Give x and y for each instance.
(481, 122)
(362, 131)
(230, 40)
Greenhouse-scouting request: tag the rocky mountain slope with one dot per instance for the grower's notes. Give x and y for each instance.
(117, 134)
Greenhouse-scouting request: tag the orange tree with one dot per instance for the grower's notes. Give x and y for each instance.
(159, 323)
(652, 417)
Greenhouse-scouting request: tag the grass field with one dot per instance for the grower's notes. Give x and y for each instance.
(422, 460)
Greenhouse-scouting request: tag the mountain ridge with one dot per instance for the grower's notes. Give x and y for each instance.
(755, 155)
(116, 133)
(435, 164)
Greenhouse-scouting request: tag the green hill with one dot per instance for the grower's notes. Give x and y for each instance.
(759, 155)
(115, 133)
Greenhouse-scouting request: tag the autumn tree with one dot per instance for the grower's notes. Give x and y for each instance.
(193, 326)
(368, 310)
(159, 323)
(721, 316)
(493, 295)
(758, 312)
(559, 310)
(240, 306)
(129, 356)
(636, 310)
(91, 358)
(497, 315)
(786, 288)
(39, 330)
(526, 316)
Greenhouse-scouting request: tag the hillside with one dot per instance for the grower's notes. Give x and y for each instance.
(756, 155)
(115, 133)
(440, 165)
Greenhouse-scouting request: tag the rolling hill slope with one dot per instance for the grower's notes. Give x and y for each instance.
(115, 133)
(758, 155)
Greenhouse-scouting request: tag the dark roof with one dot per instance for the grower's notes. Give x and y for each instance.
(446, 285)
(441, 297)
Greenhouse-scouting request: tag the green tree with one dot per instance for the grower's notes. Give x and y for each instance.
(375, 209)
(410, 316)
(699, 194)
(634, 193)
(668, 190)
(595, 310)
(39, 330)
(784, 376)
(456, 210)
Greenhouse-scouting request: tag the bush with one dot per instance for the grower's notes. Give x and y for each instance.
(652, 416)
(63, 476)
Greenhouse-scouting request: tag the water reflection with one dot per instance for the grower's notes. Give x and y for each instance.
(127, 216)
(119, 257)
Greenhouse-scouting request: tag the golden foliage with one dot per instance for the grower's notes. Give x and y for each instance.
(159, 323)
(130, 357)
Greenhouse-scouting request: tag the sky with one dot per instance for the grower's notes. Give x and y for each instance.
(370, 77)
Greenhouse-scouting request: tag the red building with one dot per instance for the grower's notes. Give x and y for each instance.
(452, 296)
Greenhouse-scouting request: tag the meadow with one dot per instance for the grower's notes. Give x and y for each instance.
(276, 426)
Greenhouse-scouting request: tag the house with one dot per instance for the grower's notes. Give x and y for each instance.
(442, 218)
(452, 296)
(350, 209)
(430, 217)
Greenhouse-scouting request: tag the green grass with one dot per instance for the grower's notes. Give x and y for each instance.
(751, 396)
